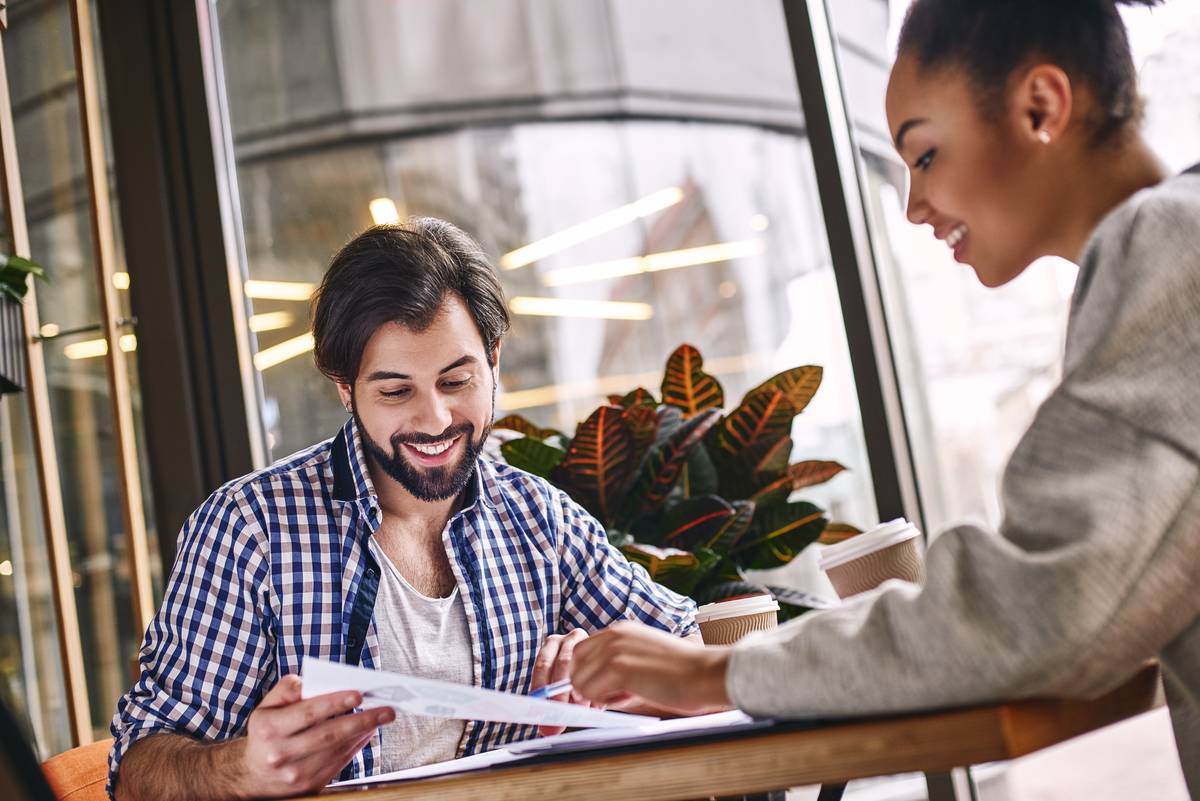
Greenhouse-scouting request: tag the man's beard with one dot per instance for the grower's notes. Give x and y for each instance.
(426, 483)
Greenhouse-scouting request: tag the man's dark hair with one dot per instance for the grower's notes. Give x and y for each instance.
(401, 273)
(992, 38)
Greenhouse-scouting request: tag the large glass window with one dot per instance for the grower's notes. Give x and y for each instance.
(43, 83)
(666, 141)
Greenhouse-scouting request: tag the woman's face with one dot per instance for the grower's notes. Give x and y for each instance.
(980, 184)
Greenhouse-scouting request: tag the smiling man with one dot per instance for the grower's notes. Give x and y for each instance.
(393, 545)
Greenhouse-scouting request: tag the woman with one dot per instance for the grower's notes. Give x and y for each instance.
(1018, 120)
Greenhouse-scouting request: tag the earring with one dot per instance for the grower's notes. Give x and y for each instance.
(1043, 136)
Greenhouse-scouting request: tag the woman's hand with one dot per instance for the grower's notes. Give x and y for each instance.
(632, 662)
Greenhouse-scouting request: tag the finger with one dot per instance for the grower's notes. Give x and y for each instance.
(317, 770)
(545, 661)
(301, 715)
(590, 661)
(286, 691)
(335, 735)
(561, 668)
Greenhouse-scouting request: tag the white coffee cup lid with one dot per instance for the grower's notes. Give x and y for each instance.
(882, 536)
(736, 608)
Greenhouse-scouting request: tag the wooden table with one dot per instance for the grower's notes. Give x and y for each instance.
(758, 762)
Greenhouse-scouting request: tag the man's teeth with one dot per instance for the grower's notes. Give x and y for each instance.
(956, 236)
(434, 450)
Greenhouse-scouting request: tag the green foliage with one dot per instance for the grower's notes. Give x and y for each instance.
(694, 494)
(14, 276)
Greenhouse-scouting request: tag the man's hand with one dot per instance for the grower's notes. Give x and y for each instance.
(298, 746)
(553, 664)
(632, 662)
(291, 747)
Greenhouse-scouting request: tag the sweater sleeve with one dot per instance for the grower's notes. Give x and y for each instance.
(1095, 570)
(1095, 565)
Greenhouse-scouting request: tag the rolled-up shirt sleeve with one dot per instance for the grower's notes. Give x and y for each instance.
(205, 660)
(602, 586)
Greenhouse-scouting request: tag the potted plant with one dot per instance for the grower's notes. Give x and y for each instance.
(695, 495)
(14, 283)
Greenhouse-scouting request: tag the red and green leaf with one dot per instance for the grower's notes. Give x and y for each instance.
(838, 532)
(696, 521)
(664, 461)
(734, 527)
(638, 397)
(687, 387)
(699, 475)
(515, 422)
(778, 533)
(764, 416)
(799, 385)
(660, 563)
(532, 456)
(598, 463)
(799, 476)
(643, 424)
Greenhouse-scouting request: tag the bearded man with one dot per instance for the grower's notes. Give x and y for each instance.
(393, 545)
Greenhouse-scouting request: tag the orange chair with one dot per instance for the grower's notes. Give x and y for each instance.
(79, 774)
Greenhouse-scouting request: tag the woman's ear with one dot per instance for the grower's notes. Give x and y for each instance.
(1042, 102)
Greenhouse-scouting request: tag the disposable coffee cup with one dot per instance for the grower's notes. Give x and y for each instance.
(863, 562)
(726, 622)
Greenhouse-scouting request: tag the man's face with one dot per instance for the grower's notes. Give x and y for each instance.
(424, 402)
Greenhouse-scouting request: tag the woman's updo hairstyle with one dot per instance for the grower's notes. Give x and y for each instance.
(989, 39)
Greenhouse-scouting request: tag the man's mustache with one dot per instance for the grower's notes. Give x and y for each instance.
(417, 438)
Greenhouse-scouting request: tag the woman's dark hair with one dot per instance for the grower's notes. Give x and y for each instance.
(992, 38)
(403, 274)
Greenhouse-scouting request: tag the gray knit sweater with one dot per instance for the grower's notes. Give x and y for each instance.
(1097, 564)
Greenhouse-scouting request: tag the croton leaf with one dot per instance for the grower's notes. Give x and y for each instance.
(778, 533)
(696, 521)
(686, 581)
(638, 397)
(687, 387)
(799, 385)
(699, 475)
(838, 532)
(765, 416)
(532, 456)
(598, 462)
(664, 461)
(744, 471)
(515, 422)
(733, 528)
(660, 562)
(799, 476)
(643, 424)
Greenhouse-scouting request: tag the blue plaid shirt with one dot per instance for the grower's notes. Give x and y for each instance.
(274, 567)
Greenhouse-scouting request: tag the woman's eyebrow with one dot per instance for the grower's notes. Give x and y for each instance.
(905, 127)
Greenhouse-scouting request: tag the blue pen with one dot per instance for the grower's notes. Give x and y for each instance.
(553, 689)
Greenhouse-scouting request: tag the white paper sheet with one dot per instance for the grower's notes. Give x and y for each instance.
(474, 762)
(723, 722)
(647, 732)
(443, 699)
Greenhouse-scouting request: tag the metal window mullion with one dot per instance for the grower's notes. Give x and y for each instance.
(91, 122)
(46, 458)
(840, 186)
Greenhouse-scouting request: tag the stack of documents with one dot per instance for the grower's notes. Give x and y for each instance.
(417, 696)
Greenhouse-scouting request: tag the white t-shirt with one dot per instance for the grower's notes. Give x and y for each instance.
(419, 636)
